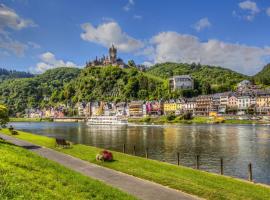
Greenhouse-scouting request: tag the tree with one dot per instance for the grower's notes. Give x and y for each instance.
(206, 88)
(131, 63)
(4, 119)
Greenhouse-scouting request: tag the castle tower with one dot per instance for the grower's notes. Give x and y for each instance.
(113, 54)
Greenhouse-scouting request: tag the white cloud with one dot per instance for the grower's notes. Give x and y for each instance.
(14, 46)
(175, 47)
(49, 61)
(129, 4)
(251, 7)
(202, 24)
(110, 33)
(9, 18)
(268, 11)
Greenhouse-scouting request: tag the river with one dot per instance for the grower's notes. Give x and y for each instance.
(237, 144)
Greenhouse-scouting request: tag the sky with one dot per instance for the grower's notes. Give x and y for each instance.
(36, 35)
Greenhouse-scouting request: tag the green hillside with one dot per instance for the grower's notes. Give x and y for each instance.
(112, 83)
(19, 94)
(263, 77)
(219, 78)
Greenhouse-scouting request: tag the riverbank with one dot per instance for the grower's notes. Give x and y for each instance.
(199, 183)
(194, 120)
(22, 119)
(25, 175)
(156, 120)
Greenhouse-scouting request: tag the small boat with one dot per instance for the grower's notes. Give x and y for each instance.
(107, 120)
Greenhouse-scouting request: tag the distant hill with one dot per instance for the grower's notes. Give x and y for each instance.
(111, 83)
(21, 93)
(9, 74)
(220, 79)
(263, 77)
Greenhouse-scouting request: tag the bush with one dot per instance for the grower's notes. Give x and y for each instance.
(10, 128)
(187, 116)
(13, 132)
(170, 117)
(104, 155)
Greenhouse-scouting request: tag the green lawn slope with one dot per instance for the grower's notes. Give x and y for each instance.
(25, 175)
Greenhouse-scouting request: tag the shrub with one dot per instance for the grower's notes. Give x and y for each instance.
(170, 117)
(187, 116)
(13, 132)
(104, 155)
(10, 128)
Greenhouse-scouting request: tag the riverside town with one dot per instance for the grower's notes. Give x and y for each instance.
(133, 99)
(247, 102)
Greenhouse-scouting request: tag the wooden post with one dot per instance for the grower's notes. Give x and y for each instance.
(197, 162)
(221, 166)
(134, 150)
(124, 148)
(250, 177)
(146, 152)
(178, 158)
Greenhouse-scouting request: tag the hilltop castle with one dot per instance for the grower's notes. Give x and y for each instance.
(111, 59)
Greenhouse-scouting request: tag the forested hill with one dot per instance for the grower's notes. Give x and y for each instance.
(19, 94)
(110, 83)
(263, 77)
(219, 78)
(9, 74)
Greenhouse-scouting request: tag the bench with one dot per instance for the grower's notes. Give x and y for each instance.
(62, 143)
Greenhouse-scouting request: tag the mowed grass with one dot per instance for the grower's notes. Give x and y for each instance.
(199, 183)
(22, 119)
(25, 175)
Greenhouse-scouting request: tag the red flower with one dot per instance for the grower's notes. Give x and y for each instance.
(107, 155)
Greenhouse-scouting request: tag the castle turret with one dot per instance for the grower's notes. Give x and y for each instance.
(113, 54)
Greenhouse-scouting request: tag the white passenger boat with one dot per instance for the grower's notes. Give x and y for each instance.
(107, 120)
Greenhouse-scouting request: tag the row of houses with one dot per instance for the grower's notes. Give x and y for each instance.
(204, 105)
(248, 99)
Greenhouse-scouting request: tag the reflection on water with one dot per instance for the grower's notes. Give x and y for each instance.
(237, 144)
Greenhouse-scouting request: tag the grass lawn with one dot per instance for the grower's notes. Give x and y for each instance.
(199, 183)
(25, 175)
(22, 119)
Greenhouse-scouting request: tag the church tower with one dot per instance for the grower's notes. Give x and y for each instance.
(113, 54)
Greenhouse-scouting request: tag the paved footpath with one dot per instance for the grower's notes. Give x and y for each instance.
(137, 187)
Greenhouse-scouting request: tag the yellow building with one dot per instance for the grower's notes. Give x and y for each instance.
(263, 101)
(263, 104)
(170, 107)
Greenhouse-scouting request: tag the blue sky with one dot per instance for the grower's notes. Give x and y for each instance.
(36, 35)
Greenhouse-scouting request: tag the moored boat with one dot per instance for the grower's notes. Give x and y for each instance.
(107, 120)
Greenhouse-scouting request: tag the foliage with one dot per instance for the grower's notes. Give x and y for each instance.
(263, 77)
(187, 116)
(112, 83)
(11, 74)
(19, 94)
(25, 175)
(219, 79)
(67, 86)
(203, 184)
(4, 119)
(170, 117)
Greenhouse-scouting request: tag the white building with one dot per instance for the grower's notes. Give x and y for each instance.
(181, 82)
(244, 102)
